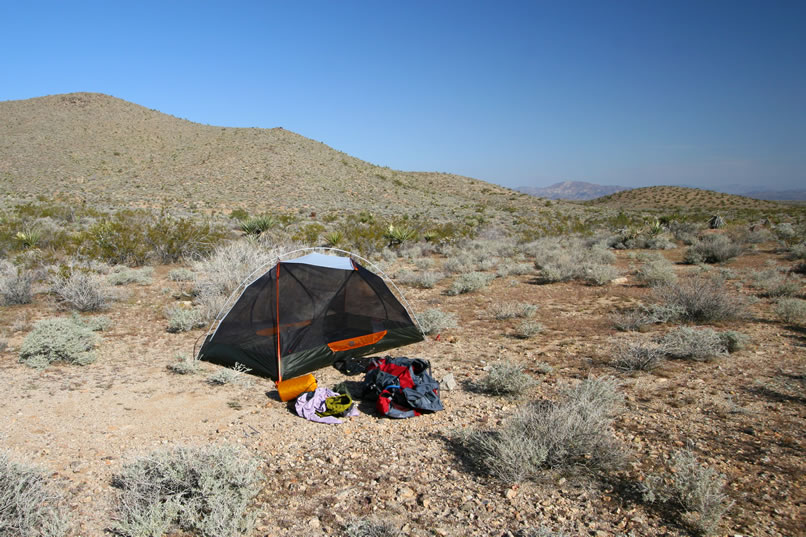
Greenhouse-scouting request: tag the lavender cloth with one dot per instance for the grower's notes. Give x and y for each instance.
(309, 403)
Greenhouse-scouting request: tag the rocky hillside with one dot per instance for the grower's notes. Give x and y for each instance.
(103, 150)
(678, 197)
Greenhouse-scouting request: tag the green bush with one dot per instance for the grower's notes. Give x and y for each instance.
(575, 432)
(30, 505)
(58, 340)
(208, 491)
(791, 310)
(713, 249)
(435, 321)
(259, 224)
(469, 282)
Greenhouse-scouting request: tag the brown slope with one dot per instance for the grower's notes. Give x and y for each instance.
(678, 197)
(108, 151)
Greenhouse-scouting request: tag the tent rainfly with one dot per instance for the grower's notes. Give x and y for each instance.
(307, 313)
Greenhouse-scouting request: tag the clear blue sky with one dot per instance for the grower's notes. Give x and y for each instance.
(703, 93)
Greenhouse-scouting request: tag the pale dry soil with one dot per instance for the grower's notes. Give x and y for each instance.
(743, 415)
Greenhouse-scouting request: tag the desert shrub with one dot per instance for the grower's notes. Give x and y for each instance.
(600, 274)
(791, 310)
(629, 239)
(506, 378)
(258, 224)
(509, 268)
(234, 375)
(527, 329)
(642, 356)
(692, 489)
(434, 321)
(539, 531)
(58, 340)
(184, 319)
(208, 491)
(96, 323)
(734, 341)
(181, 275)
(172, 239)
(798, 251)
(712, 249)
(30, 505)
(701, 299)
(685, 232)
(367, 527)
(699, 344)
(560, 261)
(571, 433)
(82, 291)
(184, 365)
(15, 284)
(775, 284)
(459, 264)
(656, 271)
(645, 315)
(469, 282)
(512, 310)
(122, 275)
(423, 280)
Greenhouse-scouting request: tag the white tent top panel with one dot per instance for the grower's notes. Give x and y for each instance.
(322, 260)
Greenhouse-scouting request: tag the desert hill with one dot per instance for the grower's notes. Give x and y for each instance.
(678, 197)
(571, 190)
(108, 151)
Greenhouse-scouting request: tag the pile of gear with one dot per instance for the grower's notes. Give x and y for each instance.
(401, 388)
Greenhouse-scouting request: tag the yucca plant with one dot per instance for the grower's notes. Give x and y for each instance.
(259, 224)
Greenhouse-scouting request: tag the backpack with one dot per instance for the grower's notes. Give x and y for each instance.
(404, 387)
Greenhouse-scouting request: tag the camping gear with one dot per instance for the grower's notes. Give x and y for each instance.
(291, 388)
(305, 313)
(404, 387)
(336, 405)
(310, 404)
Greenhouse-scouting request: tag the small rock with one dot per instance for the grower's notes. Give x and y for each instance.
(448, 382)
(314, 522)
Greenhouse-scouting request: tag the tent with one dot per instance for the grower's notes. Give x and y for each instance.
(306, 313)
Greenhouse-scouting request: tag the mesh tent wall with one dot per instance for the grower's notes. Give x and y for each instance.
(304, 314)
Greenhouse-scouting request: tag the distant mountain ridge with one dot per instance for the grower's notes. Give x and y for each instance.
(572, 190)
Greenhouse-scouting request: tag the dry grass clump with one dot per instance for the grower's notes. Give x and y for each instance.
(714, 248)
(701, 299)
(434, 321)
(691, 489)
(30, 506)
(791, 310)
(58, 340)
(208, 491)
(82, 291)
(574, 432)
(16, 284)
(506, 378)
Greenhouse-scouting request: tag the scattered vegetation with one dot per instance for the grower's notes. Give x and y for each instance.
(15, 284)
(527, 329)
(656, 271)
(512, 310)
(184, 365)
(469, 282)
(234, 375)
(184, 319)
(82, 290)
(701, 299)
(30, 505)
(698, 344)
(58, 340)
(713, 248)
(124, 275)
(791, 310)
(641, 356)
(435, 321)
(209, 491)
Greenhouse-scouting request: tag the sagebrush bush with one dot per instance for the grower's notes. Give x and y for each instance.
(656, 271)
(181, 275)
(423, 280)
(506, 378)
(693, 490)
(233, 375)
(775, 284)
(16, 284)
(791, 310)
(96, 323)
(571, 433)
(699, 344)
(184, 365)
(30, 505)
(560, 261)
(714, 248)
(469, 282)
(509, 268)
(122, 275)
(434, 321)
(184, 319)
(527, 329)
(511, 310)
(208, 491)
(367, 527)
(600, 274)
(641, 356)
(701, 299)
(82, 291)
(58, 340)
(734, 341)
(645, 315)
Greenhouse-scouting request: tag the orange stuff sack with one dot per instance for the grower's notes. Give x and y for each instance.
(292, 388)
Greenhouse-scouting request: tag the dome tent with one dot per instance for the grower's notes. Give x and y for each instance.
(307, 313)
